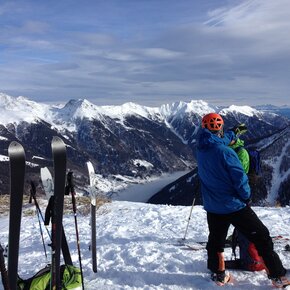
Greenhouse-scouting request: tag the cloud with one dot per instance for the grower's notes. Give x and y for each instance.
(262, 24)
(180, 51)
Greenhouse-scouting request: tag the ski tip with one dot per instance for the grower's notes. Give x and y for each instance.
(90, 167)
(57, 143)
(56, 139)
(45, 171)
(89, 164)
(14, 148)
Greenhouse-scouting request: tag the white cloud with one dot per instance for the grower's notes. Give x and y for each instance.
(161, 53)
(263, 23)
(240, 51)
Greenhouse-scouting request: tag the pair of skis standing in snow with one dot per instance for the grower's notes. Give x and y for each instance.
(54, 213)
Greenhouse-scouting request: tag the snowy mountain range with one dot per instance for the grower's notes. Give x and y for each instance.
(132, 140)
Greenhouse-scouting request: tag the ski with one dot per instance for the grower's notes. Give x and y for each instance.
(93, 246)
(48, 186)
(47, 182)
(59, 163)
(280, 239)
(195, 246)
(17, 174)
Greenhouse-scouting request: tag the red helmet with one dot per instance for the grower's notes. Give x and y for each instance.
(212, 122)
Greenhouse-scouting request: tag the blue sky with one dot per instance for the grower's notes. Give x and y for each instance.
(150, 52)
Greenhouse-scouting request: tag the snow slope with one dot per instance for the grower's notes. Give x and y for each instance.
(137, 247)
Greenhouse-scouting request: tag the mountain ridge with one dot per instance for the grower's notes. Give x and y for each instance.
(113, 137)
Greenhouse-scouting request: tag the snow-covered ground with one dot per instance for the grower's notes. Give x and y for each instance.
(137, 247)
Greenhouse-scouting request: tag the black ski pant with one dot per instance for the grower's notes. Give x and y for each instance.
(248, 223)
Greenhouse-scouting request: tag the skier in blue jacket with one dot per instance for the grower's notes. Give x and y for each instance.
(226, 194)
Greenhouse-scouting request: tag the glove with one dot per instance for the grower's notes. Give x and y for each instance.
(239, 129)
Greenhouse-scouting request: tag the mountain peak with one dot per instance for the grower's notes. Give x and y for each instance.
(199, 107)
(245, 110)
(9, 103)
(127, 109)
(15, 110)
(78, 108)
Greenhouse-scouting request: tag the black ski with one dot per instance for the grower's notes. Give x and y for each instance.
(93, 237)
(17, 174)
(93, 246)
(59, 161)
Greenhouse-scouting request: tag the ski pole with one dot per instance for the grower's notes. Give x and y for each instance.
(41, 232)
(71, 189)
(189, 218)
(32, 195)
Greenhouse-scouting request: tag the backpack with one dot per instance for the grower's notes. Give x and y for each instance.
(255, 160)
(70, 277)
(249, 258)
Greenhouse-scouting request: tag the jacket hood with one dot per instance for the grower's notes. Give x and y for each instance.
(206, 139)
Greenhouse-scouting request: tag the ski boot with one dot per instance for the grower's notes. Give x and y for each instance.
(221, 278)
(281, 282)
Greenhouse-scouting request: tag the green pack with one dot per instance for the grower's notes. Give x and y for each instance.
(70, 276)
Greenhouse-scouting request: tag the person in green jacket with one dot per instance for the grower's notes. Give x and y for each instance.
(242, 153)
(257, 261)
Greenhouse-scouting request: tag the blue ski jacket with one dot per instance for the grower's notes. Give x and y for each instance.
(224, 184)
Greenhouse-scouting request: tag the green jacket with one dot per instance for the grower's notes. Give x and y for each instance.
(242, 154)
